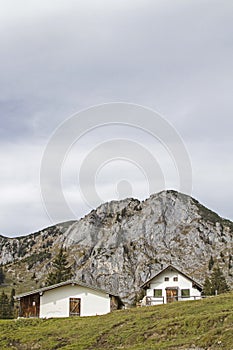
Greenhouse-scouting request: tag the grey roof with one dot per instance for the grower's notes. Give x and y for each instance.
(73, 282)
(174, 268)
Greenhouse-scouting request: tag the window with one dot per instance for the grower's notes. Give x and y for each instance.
(166, 279)
(185, 293)
(175, 279)
(157, 293)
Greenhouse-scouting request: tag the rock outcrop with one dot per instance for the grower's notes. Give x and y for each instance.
(123, 243)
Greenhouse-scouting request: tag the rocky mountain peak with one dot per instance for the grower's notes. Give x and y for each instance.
(121, 244)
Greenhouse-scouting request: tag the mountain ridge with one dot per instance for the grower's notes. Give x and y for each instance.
(121, 244)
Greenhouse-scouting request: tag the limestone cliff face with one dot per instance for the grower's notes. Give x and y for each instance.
(121, 244)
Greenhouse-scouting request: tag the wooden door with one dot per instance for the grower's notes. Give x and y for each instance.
(30, 306)
(172, 295)
(75, 304)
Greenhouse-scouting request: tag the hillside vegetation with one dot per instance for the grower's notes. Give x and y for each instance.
(203, 324)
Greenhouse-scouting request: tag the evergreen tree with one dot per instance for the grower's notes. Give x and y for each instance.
(2, 275)
(218, 281)
(61, 272)
(207, 287)
(211, 263)
(12, 301)
(229, 262)
(6, 311)
(216, 284)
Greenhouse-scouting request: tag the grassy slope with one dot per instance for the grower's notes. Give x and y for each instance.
(206, 324)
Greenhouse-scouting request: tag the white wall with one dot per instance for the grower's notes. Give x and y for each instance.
(182, 283)
(55, 302)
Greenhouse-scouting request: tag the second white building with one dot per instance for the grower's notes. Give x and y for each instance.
(170, 285)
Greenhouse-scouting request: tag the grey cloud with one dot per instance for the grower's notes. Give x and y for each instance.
(174, 56)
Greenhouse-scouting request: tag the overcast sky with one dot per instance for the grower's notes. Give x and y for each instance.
(60, 57)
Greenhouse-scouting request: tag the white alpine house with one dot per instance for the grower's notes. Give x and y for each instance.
(65, 299)
(170, 285)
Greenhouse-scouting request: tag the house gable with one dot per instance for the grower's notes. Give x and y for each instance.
(171, 270)
(169, 285)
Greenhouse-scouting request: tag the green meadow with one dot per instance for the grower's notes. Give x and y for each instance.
(202, 324)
